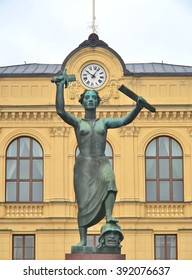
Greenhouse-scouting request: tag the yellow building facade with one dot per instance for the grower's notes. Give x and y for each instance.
(151, 157)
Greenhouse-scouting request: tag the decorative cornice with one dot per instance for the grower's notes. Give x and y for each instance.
(111, 111)
(166, 115)
(59, 131)
(26, 116)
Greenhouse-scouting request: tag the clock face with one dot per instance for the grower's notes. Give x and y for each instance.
(93, 75)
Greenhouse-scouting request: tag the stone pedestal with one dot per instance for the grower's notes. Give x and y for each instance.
(94, 253)
(76, 256)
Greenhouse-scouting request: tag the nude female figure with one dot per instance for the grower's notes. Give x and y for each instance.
(94, 180)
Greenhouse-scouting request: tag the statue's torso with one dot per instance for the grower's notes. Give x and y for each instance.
(91, 137)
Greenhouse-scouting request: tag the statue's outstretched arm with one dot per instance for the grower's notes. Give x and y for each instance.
(118, 122)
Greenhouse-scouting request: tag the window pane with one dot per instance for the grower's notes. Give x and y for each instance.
(177, 169)
(164, 168)
(24, 191)
(151, 191)
(11, 191)
(37, 191)
(24, 169)
(24, 147)
(18, 253)
(151, 169)
(160, 240)
(18, 241)
(12, 150)
(160, 253)
(176, 149)
(11, 169)
(164, 146)
(177, 191)
(160, 247)
(108, 150)
(171, 253)
(29, 241)
(171, 240)
(164, 191)
(151, 149)
(37, 150)
(77, 152)
(29, 253)
(29, 247)
(37, 169)
(171, 247)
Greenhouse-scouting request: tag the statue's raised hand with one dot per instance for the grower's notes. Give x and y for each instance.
(64, 79)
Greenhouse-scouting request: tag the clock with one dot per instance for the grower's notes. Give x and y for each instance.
(93, 75)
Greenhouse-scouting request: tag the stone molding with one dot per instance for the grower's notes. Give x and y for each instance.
(111, 112)
(129, 131)
(59, 131)
(26, 116)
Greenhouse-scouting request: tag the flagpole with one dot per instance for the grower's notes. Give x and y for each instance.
(93, 19)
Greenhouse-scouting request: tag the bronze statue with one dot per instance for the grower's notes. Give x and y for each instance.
(94, 180)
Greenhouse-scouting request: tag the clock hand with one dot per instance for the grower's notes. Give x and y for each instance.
(89, 72)
(93, 76)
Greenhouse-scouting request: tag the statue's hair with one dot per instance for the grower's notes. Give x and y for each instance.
(83, 94)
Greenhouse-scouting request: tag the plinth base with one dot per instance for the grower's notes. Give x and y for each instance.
(76, 256)
(95, 250)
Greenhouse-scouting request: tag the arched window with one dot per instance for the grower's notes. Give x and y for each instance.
(108, 152)
(24, 171)
(164, 170)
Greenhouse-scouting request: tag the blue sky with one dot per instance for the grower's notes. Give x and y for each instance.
(46, 31)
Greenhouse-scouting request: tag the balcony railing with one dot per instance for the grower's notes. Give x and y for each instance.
(165, 210)
(64, 209)
(122, 209)
(23, 210)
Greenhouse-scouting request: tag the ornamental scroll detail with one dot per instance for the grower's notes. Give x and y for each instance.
(111, 91)
(73, 90)
(59, 131)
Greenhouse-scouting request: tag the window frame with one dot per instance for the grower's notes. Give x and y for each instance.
(165, 236)
(23, 246)
(31, 179)
(170, 179)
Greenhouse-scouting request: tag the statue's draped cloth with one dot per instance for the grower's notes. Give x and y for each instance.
(93, 179)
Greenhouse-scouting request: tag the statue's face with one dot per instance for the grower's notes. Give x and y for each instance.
(112, 239)
(90, 100)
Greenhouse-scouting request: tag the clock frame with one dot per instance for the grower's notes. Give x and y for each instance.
(93, 75)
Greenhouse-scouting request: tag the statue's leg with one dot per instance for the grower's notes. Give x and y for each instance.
(109, 204)
(83, 236)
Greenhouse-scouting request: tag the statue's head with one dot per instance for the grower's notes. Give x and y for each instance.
(88, 95)
(111, 235)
